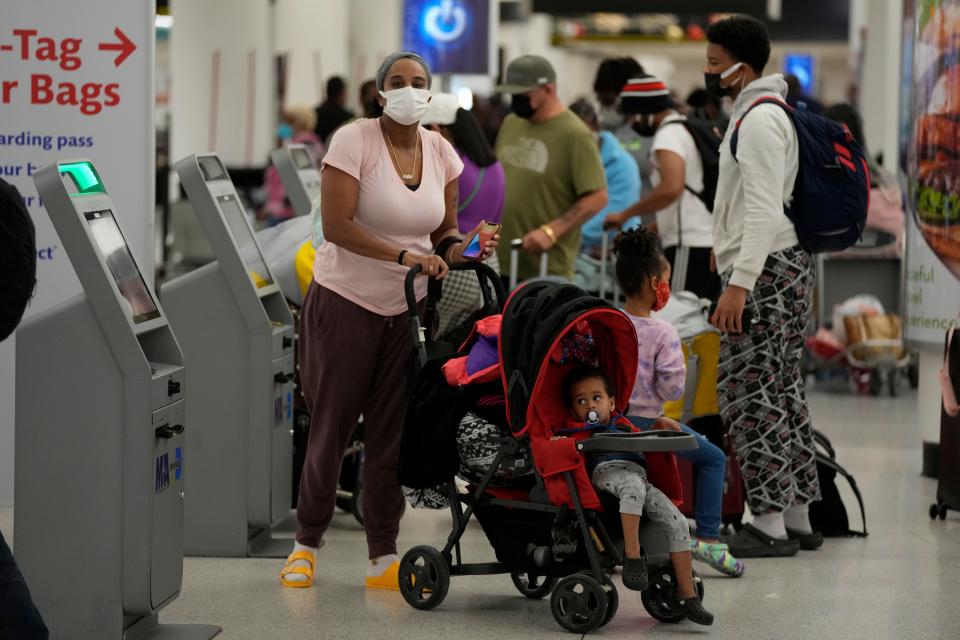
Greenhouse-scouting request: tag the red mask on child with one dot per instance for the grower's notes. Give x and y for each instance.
(663, 295)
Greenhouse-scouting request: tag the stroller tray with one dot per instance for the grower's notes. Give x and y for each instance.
(649, 441)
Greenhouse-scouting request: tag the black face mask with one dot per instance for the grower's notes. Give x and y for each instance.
(644, 128)
(712, 82)
(520, 105)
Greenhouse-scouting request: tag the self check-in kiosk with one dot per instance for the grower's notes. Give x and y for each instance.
(237, 336)
(100, 434)
(299, 175)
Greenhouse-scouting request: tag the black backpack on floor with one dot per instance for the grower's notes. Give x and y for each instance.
(829, 515)
(18, 258)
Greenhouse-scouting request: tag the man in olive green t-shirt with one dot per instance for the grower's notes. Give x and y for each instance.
(555, 180)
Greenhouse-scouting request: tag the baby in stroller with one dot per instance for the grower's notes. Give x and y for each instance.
(590, 397)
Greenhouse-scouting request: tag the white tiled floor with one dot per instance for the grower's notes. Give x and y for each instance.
(901, 582)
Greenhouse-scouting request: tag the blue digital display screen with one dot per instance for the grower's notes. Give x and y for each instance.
(800, 65)
(453, 36)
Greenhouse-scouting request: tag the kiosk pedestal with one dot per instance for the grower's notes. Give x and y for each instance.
(100, 428)
(237, 336)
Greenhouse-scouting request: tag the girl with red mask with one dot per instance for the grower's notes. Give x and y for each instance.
(643, 273)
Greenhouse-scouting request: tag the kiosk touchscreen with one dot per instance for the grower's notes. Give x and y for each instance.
(237, 336)
(100, 434)
(299, 174)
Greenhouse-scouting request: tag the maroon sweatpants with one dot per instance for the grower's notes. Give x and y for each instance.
(352, 362)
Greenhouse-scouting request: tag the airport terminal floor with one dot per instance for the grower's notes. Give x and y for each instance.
(900, 582)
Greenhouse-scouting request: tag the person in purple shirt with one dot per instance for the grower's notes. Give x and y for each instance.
(482, 191)
(482, 183)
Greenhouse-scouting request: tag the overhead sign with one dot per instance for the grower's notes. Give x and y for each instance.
(75, 83)
(453, 36)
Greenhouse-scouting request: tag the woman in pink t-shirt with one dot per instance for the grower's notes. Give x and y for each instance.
(389, 202)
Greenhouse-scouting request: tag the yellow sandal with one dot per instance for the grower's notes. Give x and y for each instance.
(390, 580)
(300, 570)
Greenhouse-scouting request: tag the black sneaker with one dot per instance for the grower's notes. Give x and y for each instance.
(808, 541)
(750, 542)
(693, 610)
(635, 574)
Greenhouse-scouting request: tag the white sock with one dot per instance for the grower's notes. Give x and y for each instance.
(771, 524)
(379, 565)
(299, 577)
(797, 518)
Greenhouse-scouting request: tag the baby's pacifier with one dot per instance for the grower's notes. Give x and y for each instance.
(593, 417)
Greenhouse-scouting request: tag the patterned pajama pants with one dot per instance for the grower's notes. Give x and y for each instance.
(761, 388)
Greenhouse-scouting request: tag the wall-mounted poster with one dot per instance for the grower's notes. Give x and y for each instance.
(935, 169)
(930, 161)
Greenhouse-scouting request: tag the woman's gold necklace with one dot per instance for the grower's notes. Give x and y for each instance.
(416, 153)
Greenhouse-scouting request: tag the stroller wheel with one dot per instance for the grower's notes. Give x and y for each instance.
(613, 600)
(579, 603)
(356, 503)
(424, 577)
(531, 585)
(662, 592)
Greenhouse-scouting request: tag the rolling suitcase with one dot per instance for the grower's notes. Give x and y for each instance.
(734, 495)
(948, 487)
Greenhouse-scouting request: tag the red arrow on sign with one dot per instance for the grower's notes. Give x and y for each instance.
(125, 47)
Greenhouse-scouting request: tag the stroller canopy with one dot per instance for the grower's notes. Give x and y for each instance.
(536, 320)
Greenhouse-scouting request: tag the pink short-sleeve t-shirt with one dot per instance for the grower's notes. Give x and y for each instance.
(387, 209)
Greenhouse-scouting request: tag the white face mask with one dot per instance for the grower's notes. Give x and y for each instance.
(610, 118)
(406, 105)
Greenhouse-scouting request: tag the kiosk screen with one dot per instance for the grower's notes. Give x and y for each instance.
(302, 159)
(106, 233)
(211, 168)
(249, 251)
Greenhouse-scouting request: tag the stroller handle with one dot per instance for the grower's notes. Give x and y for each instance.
(648, 441)
(485, 275)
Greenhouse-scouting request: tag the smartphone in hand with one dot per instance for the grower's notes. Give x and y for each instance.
(746, 318)
(475, 249)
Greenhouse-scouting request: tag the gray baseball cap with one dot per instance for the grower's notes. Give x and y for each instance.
(526, 73)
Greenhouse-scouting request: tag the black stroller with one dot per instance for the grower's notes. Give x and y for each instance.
(552, 533)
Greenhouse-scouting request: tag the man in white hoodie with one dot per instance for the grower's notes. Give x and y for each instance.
(767, 273)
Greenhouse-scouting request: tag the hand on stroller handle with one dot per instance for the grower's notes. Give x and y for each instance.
(485, 274)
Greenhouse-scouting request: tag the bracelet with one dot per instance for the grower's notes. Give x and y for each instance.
(550, 232)
(450, 252)
(444, 246)
(401, 256)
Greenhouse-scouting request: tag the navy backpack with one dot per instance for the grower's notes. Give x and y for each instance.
(832, 191)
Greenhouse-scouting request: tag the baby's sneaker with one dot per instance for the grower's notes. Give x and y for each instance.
(718, 556)
(693, 610)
